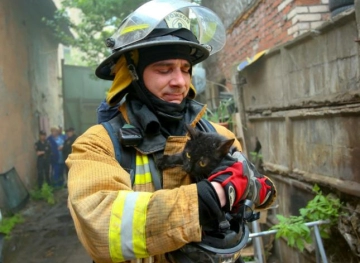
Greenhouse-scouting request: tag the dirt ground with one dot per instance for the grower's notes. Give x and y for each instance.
(46, 236)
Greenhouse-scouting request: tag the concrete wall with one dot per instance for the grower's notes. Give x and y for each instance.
(29, 84)
(302, 101)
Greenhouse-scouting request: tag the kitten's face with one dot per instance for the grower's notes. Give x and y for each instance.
(203, 153)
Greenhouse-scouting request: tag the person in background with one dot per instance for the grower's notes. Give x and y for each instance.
(62, 133)
(66, 150)
(57, 161)
(43, 152)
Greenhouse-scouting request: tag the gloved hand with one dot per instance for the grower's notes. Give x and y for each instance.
(240, 180)
(211, 216)
(231, 176)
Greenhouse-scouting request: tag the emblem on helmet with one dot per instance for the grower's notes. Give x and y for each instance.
(177, 20)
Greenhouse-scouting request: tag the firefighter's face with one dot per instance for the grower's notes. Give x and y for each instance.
(169, 80)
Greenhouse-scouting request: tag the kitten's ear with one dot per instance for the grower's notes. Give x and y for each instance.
(225, 146)
(191, 131)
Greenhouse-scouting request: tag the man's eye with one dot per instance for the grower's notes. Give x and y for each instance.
(188, 155)
(164, 70)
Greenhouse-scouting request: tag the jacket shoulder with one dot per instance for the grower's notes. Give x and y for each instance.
(227, 133)
(95, 131)
(97, 137)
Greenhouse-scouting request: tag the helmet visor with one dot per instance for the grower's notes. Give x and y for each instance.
(204, 23)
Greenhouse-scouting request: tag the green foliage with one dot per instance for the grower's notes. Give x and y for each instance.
(322, 207)
(293, 228)
(223, 113)
(45, 193)
(255, 156)
(248, 258)
(7, 224)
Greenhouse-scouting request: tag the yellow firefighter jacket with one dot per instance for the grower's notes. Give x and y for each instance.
(118, 222)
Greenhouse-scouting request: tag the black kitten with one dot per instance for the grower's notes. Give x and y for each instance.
(202, 154)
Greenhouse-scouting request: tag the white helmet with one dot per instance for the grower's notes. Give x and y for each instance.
(166, 22)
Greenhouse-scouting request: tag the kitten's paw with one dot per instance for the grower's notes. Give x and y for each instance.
(161, 162)
(167, 161)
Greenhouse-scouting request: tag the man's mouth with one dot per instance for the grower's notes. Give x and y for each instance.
(175, 98)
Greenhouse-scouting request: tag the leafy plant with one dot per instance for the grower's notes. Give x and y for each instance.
(322, 207)
(46, 192)
(7, 224)
(248, 258)
(223, 113)
(293, 228)
(255, 156)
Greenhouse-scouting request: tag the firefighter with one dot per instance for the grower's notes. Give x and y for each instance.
(130, 211)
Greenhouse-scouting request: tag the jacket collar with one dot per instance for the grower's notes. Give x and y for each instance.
(141, 117)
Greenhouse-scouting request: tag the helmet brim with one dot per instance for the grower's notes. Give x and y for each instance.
(103, 71)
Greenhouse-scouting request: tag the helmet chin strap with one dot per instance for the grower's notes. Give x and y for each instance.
(156, 105)
(136, 82)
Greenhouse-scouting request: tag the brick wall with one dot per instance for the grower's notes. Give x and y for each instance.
(307, 17)
(266, 24)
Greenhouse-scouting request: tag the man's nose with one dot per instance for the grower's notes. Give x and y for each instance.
(178, 77)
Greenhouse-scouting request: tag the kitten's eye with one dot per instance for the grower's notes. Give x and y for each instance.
(202, 163)
(188, 155)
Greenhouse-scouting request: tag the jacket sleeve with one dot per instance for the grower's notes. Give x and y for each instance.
(113, 222)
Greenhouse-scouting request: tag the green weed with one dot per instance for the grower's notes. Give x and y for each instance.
(248, 258)
(293, 228)
(45, 193)
(8, 223)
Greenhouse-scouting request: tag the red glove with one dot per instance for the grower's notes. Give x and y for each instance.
(234, 183)
(266, 192)
(240, 180)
